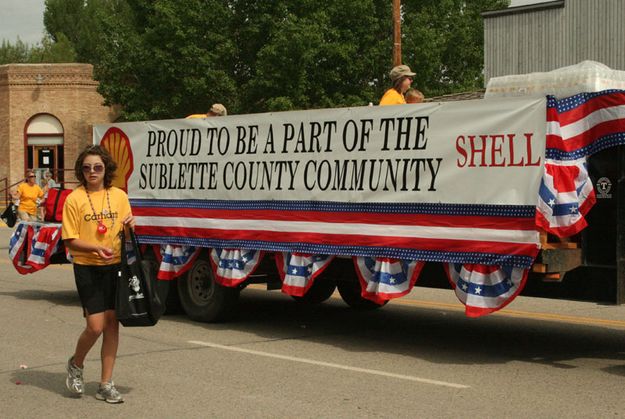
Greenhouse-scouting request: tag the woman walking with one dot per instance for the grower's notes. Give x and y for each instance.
(93, 216)
(28, 193)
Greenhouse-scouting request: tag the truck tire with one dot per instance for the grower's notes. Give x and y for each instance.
(350, 293)
(321, 290)
(167, 290)
(201, 297)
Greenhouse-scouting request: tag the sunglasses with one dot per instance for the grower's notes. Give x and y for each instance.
(29, 176)
(97, 168)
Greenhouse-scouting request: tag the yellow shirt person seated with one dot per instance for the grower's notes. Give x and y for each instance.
(216, 110)
(401, 77)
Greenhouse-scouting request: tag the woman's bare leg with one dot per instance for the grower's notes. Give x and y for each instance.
(110, 342)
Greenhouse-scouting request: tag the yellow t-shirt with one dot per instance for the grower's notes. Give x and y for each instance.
(392, 97)
(80, 222)
(196, 116)
(28, 197)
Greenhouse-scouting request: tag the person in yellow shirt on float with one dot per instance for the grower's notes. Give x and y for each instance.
(216, 110)
(401, 77)
(28, 192)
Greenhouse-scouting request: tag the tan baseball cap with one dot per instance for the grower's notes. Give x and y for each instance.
(400, 71)
(218, 109)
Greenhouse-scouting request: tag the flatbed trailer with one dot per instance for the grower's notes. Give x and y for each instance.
(192, 258)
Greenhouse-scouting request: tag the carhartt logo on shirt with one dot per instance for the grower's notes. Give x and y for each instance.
(101, 216)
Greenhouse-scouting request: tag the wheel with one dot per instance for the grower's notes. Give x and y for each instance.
(321, 290)
(167, 290)
(201, 297)
(350, 293)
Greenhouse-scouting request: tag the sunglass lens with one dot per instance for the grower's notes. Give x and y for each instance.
(98, 168)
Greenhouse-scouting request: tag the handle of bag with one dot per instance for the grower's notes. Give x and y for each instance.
(135, 245)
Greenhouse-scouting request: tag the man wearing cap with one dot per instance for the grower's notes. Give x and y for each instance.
(401, 77)
(216, 110)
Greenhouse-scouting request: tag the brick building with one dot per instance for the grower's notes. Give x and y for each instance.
(46, 114)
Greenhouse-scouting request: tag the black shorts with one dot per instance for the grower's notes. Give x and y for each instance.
(96, 287)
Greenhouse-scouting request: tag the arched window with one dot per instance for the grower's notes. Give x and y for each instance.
(44, 144)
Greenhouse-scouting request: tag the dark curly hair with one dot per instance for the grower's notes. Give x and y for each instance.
(109, 164)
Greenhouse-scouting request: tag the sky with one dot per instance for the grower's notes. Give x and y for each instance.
(24, 19)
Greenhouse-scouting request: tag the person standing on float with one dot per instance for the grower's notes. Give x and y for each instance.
(93, 216)
(401, 77)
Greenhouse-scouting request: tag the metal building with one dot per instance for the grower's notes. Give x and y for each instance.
(549, 35)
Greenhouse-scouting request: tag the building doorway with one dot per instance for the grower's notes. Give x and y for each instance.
(44, 144)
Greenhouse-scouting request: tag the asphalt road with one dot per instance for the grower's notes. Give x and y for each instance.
(417, 357)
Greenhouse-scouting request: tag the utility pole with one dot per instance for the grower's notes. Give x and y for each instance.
(396, 32)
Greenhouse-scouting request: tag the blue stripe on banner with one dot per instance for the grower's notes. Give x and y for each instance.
(326, 206)
(598, 145)
(17, 234)
(492, 291)
(38, 251)
(550, 199)
(519, 261)
(546, 195)
(487, 291)
(573, 102)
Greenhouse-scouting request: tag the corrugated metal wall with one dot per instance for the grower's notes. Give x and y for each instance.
(544, 40)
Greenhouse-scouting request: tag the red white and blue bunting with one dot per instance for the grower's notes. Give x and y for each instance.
(175, 260)
(383, 279)
(32, 245)
(485, 289)
(233, 266)
(298, 271)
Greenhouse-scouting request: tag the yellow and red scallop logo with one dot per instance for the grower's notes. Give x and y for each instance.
(116, 142)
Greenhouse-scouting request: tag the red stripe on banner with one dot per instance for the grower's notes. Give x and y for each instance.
(589, 136)
(553, 141)
(483, 269)
(601, 102)
(553, 115)
(563, 177)
(564, 231)
(429, 220)
(346, 240)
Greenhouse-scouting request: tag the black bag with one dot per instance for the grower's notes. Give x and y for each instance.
(136, 301)
(9, 216)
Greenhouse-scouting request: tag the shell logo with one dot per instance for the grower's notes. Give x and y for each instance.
(116, 142)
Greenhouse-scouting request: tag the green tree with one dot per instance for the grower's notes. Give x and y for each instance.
(313, 54)
(443, 41)
(19, 52)
(170, 58)
(165, 59)
(47, 51)
(77, 21)
(61, 51)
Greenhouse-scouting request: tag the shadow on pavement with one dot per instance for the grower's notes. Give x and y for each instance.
(64, 297)
(54, 382)
(435, 335)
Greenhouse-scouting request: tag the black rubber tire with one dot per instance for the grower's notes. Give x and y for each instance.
(321, 290)
(202, 298)
(350, 293)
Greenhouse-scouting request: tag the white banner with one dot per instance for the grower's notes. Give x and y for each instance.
(469, 152)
